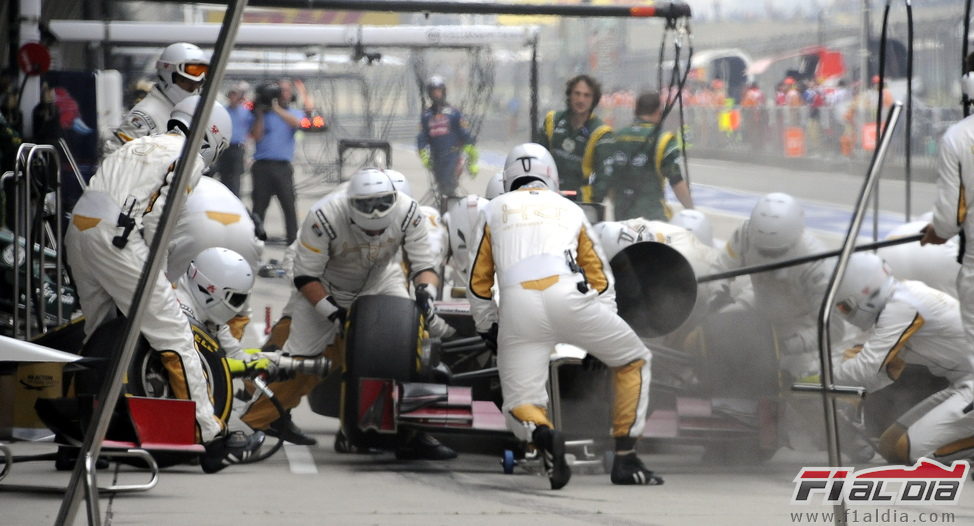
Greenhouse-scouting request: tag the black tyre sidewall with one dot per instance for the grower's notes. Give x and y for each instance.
(382, 342)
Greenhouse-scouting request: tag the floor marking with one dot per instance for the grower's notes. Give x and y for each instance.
(300, 459)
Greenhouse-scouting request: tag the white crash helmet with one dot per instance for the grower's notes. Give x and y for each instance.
(867, 285)
(220, 281)
(399, 181)
(614, 236)
(182, 59)
(371, 198)
(530, 160)
(216, 138)
(777, 223)
(697, 223)
(495, 186)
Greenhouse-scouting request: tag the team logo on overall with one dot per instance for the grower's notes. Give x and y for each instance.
(926, 482)
(568, 145)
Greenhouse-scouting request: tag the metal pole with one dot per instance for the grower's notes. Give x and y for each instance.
(73, 164)
(863, 66)
(965, 100)
(754, 269)
(825, 314)
(879, 105)
(109, 393)
(535, 125)
(59, 240)
(908, 173)
(663, 10)
(47, 154)
(25, 181)
(19, 206)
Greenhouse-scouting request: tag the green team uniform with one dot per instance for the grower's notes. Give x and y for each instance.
(578, 153)
(640, 165)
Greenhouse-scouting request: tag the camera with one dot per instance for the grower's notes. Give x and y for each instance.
(266, 93)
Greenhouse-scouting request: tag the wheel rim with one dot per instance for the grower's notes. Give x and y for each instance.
(155, 379)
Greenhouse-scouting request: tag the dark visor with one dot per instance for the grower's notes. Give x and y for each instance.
(367, 205)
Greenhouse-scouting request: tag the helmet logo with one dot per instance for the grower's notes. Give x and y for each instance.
(214, 129)
(526, 163)
(211, 289)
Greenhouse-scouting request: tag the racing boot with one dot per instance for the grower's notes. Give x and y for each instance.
(552, 445)
(628, 469)
(423, 446)
(235, 448)
(285, 429)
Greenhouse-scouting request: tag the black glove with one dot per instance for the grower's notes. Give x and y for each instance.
(490, 338)
(425, 294)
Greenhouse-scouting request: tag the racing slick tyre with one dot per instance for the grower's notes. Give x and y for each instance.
(382, 342)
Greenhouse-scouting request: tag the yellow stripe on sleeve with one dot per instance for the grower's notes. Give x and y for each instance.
(549, 127)
(482, 272)
(590, 261)
(961, 202)
(589, 157)
(311, 248)
(892, 364)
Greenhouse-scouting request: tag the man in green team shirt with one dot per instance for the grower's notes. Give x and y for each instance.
(642, 158)
(578, 140)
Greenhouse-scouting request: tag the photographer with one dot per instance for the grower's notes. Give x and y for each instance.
(273, 132)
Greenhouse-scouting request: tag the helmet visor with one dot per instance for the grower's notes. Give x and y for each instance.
(195, 70)
(236, 299)
(380, 203)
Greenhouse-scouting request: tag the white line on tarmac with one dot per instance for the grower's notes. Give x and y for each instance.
(300, 459)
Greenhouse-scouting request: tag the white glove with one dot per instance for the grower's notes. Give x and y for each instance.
(329, 309)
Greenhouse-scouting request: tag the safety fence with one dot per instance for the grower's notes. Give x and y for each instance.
(827, 134)
(775, 134)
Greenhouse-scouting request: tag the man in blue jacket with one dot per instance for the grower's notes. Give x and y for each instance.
(444, 139)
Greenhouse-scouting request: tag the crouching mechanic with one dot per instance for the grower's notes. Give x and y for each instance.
(213, 290)
(555, 286)
(107, 250)
(790, 297)
(348, 247)
(908, 322)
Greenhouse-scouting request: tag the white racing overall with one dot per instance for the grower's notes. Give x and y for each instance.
(919, 325)
(135, 180)
(351, 263)
(149, 117)
(523, 236)
(955, 193)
